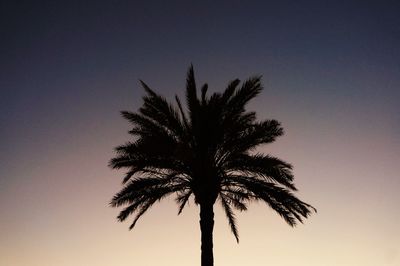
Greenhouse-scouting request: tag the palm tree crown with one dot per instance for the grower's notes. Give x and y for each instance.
(207, 151)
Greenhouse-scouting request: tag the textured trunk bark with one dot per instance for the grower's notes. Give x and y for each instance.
(207, 226)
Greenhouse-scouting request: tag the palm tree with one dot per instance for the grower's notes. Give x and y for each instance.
(206, 151)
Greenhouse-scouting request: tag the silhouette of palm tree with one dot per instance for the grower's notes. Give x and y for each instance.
(207, 152)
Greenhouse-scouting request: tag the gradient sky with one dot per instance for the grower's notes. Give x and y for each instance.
(331, 71)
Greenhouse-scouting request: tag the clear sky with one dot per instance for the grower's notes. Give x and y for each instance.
(331, 71)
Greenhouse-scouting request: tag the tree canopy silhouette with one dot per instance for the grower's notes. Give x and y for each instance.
(205, 151)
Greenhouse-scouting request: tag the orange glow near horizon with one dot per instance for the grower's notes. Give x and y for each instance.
(63, 218)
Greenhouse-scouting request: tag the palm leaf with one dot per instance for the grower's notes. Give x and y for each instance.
(230, 215)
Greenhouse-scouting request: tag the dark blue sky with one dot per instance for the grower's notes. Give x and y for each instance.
(61, 61)
(331, 71)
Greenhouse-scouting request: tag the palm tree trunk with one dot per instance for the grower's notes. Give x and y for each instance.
(206, 227)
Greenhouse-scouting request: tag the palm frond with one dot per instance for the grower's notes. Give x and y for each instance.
(264, 166)
(230, 90)
(236, 197)
(142, 124)
(158, 109)
(182, 199)
(183, 115)
(230, 215)
(142, 210)
(255, 135)
(137, 188)
(140, 194)
(203, 94)
(191, 94)
(281, 200)
(249, 89)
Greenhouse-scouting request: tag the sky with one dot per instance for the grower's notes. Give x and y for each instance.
(331, 73)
